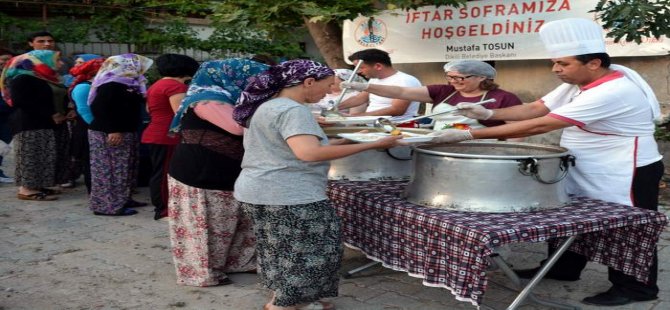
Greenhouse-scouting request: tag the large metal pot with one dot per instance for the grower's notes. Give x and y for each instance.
(489, 176)
(390, 164)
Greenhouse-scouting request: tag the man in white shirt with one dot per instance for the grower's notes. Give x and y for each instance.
(607, 113)
(378, 68)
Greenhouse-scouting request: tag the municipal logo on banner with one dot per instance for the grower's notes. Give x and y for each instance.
(371, 32)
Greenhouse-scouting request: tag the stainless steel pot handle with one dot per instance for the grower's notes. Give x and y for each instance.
(390, 154)
(529, 167)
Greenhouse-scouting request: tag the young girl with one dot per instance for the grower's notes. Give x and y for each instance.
(283, 183)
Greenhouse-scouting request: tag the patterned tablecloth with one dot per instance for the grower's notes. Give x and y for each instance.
(450, 248)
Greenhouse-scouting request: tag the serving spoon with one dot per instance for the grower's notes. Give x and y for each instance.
(333, 111)
(390, 127)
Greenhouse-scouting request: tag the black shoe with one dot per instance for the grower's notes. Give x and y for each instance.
(160, 213)
(134, 204)
(530, 273)
(611, 298)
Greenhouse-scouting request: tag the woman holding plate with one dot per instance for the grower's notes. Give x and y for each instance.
(283, 183)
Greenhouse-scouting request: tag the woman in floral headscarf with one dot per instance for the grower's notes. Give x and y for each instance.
(209, 234)
(283, 183)
(29, 83)
(116, 99)
(83, 75)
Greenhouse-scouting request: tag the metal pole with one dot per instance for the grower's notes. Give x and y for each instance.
(361, 268)
(540, 274)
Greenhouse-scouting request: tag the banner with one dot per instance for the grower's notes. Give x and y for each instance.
(484, 30)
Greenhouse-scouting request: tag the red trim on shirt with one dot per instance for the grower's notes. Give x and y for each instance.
(566, 119)
(598, 133)
(606, 78)
(632, 197)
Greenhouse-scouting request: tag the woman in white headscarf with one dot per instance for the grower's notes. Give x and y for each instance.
(116, 99)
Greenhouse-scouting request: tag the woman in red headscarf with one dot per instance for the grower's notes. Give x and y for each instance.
(78, 91)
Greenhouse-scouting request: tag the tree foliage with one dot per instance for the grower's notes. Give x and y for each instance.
(323, 18)
(270, 26)
(632, 20)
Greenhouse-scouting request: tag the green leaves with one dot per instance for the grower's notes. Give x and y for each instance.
(633, 20)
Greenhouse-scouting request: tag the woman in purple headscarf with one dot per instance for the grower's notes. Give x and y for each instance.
(283, 183)
(116, 99)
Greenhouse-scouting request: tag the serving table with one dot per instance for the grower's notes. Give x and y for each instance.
(453, 249)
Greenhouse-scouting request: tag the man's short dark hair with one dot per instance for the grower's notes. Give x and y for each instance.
(176, 65)
(34, 35)
(372, 56)
(605, 60)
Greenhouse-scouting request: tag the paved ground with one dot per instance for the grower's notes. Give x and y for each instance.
(57, 255)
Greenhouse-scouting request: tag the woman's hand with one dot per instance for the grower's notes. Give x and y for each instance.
(354, 85)
(450, 136)
(322, 121)
(473, 111)
(387, 142)
(72, 114)
(58, 118)
(114, 138)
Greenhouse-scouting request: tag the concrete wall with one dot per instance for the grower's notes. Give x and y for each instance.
(531, 79)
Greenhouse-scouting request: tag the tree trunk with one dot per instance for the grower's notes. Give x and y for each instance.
(328, 39)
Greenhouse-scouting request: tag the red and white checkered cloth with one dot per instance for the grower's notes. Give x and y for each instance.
(450, 248)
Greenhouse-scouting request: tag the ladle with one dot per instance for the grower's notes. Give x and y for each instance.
(333, 111)
(390, 127)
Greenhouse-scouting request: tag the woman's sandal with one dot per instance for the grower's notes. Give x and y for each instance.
(123, 212)
(49, 191)
(39, 196)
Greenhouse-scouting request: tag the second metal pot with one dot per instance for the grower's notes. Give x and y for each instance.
(489, 176)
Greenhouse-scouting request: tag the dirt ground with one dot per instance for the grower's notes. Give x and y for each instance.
(57, 255)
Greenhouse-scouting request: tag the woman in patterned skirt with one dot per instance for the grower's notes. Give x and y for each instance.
(116, 99)
(28, 83)
(210, 236)
(283, 183)
(82, 76)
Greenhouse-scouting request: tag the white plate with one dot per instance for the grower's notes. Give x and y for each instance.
(352, 120)
(374, 136)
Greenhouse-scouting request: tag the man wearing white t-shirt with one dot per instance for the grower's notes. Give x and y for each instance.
(607, 113)
(378, 68)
